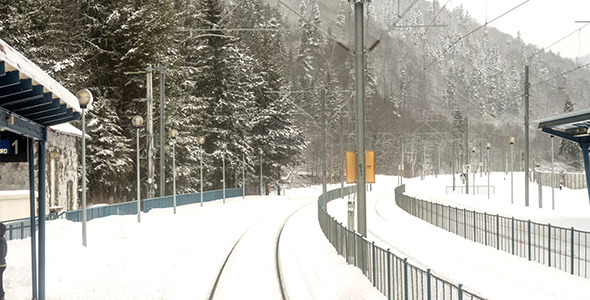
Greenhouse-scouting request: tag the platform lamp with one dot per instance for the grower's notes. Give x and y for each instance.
(223, 148)
(488, 146)
(85, 99)
(172, 134)
(511, 141)
(261, 152)
(201, 142)
(137, 122)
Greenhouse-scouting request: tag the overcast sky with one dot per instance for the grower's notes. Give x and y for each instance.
(540, 22)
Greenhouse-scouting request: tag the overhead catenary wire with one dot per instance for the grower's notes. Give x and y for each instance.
(461, 38)
(556, 42)
(472, 32)
(561, 74)
(425, 31)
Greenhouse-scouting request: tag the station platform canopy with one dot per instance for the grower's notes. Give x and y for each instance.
(573, 126)
(30, 102)
(30, 99)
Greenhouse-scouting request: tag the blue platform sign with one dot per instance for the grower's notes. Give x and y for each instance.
(13, 147)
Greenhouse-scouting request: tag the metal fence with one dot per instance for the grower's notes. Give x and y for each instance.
(562, 248)
(392, 275)
(21, 228)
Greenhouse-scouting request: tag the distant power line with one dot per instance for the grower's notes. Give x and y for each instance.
(461, 38)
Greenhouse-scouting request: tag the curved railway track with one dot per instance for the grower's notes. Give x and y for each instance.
(250, 229)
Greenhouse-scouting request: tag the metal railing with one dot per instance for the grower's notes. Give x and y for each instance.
(566, 249)
(392, 275)
(21, 228)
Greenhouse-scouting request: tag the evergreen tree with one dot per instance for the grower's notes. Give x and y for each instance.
(219, 84)
(568, 150)
(122, 36)
(271, 125)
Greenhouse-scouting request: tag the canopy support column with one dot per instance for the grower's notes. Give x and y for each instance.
(586, 166)
(42, 172)
(32, 220)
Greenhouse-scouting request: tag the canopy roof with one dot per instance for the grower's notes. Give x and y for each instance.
(29, 98)
(572, 126)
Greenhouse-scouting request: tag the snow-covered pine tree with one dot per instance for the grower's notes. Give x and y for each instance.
(310, 57)
(271, 127)
(569, 151)
(122, 36)
(219, 99)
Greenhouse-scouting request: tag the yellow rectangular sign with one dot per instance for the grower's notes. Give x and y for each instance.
(370, 163)
(350, 167)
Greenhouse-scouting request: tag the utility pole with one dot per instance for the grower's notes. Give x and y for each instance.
(552, 176)
(162, 135)
(324, 152)
(360, 115)
(453, 164)
(423, 161)
(341, 159)
(150, 130)
(526, 135)
(467, 156)
(149, 127)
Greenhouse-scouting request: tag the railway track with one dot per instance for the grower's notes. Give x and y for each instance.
(268, 227)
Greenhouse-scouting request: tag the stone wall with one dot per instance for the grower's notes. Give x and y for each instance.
(62, 172)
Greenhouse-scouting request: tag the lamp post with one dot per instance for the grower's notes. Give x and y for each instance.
(511, 141)
(243, 173)
(172, 134)
(488, 146)
(201, 142)
(474, 171)
(223, 147)
(261, 152)
(552, 177)
(137, 122)
(85, 99)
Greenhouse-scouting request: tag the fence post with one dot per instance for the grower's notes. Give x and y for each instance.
(457, 221)
(406, 294)
(336, 236)
(388, 274)
(449, 216)
(497, 231)
(431, 214)
(485, 227)
(373, 271)
(346, 245)
(428, 291)
(529, 238)
(354, 245)
(363, 254)
(436, 214)
(512, 235)
(474, 228)
(549, 244)
(464, 223)
(572, 251)
(460, 292)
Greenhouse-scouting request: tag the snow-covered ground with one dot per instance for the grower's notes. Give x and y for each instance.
(481, 269)
(178, 256)
(572, 207)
